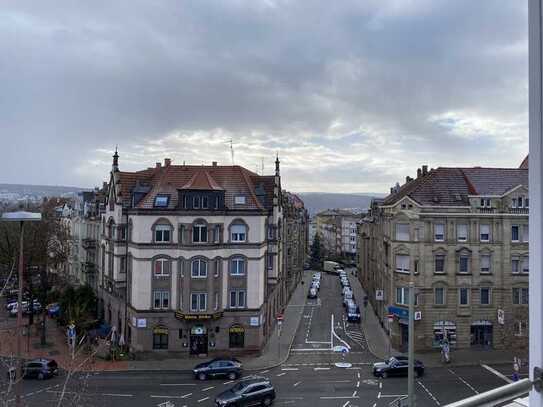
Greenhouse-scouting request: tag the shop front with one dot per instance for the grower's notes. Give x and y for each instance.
(444, 330)
(198, 340)
(481, 334)
(236, 336)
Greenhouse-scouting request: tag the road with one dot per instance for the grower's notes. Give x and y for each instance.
(308, 378)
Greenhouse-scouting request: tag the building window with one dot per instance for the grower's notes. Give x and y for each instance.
(204, 202)
(439, 263)
(416, 234)
(198, 302)
(525, 233)
(402, 263)
(196, 202)
(237, 336)
(526, 202)
(199, 268)
(515, 265)
(514, 203)
(485, 203)
(199, 233)
(462, 232)
(161, 299)
(238, 266)
(162, 268)
(520, 296)
(402, 295)
(519, 202)
(526, 264)
(161, 201)
(485, 264)
(521, 328)
(439, 232)
(463, 264)
(514, 233)
(237, 299)
(416, 265)
(485, 296)
(160, 338)
(163, 233)
(402, 231)
(485, 233)
(270, 261)
(238, 233)
(439, 296)
(239, 200)
(463, 296)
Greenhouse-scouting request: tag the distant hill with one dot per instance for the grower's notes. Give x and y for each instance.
(39, 190)
(318, 201)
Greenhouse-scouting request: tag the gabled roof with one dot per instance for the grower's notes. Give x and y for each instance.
(203, 181)
(446, 186)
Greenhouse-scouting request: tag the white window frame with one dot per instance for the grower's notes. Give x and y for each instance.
(162, 273)
(218, 264)
(525, 233)
(444, 263)
(200, 227)
(160, 230)
(523, 293)
(438, 226)
(240, 200)
(460, 258)
(401, 233)
(237, 236)
(520, 328)
(518, 233)
(525, 265)
(162, 296)
(234, 266)
(402, 295)
(459, 237)
(402, 263)
(240, 299)
(199, 306)
(516, 260)
(481, 233)
(201, 271)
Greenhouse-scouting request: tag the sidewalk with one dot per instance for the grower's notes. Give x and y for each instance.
(379, 343)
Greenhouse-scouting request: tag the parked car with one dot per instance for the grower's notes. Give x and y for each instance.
(353, 312)
(316, 284)
(348, 296)
(253, 391)
(345, 289)
(40, 369)
(312, 293)
(396, 366)
(230, 368)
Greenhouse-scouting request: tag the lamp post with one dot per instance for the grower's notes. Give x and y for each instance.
(20, 217)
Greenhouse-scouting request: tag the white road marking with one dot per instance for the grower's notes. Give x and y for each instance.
(265, 371)
(374, 404)
(358, 384)
(429, 393)
(358, 375)
(380, 385)
(158, 396)
(463, 381)
(204, 399)
(500, 375)
(346, 403)
(393, 395)
(290, 368)
(117, 395)
(296, 384)
(354, 394)
(208, 388)
(186, 395)
(281, 374)
(228, 382)
(178, 384)
(379, 395)
(338, 397)
(321, 368)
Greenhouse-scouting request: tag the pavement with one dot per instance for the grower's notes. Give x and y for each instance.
(308, 377)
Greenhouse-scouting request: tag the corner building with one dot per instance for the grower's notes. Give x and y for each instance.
(461, 235)
(191, 258)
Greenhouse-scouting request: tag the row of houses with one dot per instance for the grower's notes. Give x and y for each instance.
(190, 259)
(337, 230)
(461, 236)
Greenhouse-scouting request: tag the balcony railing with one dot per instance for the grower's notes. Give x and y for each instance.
(524, 211)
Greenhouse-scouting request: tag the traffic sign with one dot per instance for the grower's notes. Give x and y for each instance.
(390, 318)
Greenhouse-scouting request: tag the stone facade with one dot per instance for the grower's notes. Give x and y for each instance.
(337, 232)
(193, 259)
(461, 235)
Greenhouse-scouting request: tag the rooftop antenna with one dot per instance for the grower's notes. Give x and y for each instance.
(232, 150)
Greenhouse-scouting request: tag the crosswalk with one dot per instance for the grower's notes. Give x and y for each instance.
(357, 337)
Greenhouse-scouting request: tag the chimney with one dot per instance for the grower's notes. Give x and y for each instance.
(391, 190)
(158, 165)
(407, 179)
(419, 173)
(214, 163)
(167, 162)
(424, 170)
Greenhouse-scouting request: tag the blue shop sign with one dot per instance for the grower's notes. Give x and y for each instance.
(401, 313)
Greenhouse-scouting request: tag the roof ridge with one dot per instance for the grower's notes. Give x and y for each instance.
(251, 187)
(471, 188)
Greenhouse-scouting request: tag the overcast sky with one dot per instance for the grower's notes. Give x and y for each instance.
(353, 95)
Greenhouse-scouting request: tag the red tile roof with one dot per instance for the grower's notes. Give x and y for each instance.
(524, 163)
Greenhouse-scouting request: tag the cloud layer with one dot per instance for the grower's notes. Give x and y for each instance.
(353, 96)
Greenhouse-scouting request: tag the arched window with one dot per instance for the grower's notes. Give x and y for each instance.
(162, 231)
(199, 232)
(238, 232)
(161, 268)
(237, 266)
(199, 268)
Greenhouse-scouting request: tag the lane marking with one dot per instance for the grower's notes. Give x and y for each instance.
(346, 403)
(321, 368)
(358, 384)
(379, 395)
(463, 381)
(289, 368)
(338, 397)
(204, 399)
(296, 384)
(117, 395)
(281, 374)
(380, 385)
(358, 374)
(208, 388)
(374, 404)
(158, 396)
(354, 394)
(265, 371)
(228, 382)
(500, 375)
(186, 395)
(178, 384)
(429, 393)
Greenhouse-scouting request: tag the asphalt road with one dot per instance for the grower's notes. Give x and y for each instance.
(308, 378)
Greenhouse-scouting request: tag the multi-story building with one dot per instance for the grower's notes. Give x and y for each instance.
(192, 257)
(461, 236)
(337, 231)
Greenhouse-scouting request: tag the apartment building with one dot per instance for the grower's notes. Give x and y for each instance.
(337, 231)
(193, 257)
(461, 235)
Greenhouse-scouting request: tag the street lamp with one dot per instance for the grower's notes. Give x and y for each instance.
(20, 217)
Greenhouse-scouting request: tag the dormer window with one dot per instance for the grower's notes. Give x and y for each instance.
(204, 202)
(162, 201)
(520, 202)
(239, 200)
(485, 203)
(196, 202)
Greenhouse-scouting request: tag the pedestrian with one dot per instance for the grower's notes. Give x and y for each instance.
(516, 368)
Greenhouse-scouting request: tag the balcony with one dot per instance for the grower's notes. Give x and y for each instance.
(520, 211)
(487, 210)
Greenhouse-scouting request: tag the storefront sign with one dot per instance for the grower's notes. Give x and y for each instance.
(197, 317)
(401, 313)
(160, 330)
(379, 295)
(236, 329)
(142, 323)
(254, 321)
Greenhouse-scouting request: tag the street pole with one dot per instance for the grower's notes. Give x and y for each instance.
(19, 376)
(411, 347)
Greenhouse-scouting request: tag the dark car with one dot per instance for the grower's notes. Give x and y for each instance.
(353, 312)
(40, 369)
(230, 368)
(257, 390)
(396, 366)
